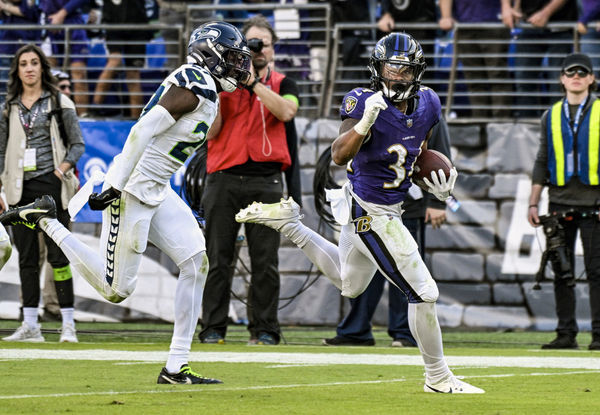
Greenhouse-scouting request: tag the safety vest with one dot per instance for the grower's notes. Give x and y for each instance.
(561, 157)
(249, 131)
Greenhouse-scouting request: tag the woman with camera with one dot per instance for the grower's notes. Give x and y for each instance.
(568, 163)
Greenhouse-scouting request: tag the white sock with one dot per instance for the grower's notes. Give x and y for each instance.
(321, 252)
(30, 316)
(54, 229)
(67, 316)
(188, 304)
(425, 328)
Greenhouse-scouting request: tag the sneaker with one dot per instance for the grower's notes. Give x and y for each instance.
(403, 343)
(26, 333)
(29, 215)
(68, 334)
(561, 342)
(213, 338)
(266, 339)
(451, 385)
(595, 344)
(185, 376)
(343, 341)
(273, 215)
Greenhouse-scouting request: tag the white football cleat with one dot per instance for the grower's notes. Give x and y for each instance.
(273, 215)
(26, 333)
(451, 385)
(68, 334)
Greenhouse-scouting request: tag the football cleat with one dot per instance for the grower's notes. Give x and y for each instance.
(68, 334)
(185, 376)
(29, 215)
(273, 215)
(451, 385)
(26, 333)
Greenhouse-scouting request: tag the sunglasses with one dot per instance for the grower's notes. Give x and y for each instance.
(64, 87)
(582, 73)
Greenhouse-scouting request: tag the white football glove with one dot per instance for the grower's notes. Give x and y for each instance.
(373, 105)
(439, 186)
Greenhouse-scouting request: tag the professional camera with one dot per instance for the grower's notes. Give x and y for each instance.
(255, 44)
(557, 250)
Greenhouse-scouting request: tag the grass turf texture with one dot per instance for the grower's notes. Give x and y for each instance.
(43, 386)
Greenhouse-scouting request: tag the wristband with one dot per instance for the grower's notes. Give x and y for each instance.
(253, 84)
(62, 175)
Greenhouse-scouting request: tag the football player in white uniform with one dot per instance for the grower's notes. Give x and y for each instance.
(137, 201)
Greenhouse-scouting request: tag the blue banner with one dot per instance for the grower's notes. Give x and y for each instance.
(103, 141)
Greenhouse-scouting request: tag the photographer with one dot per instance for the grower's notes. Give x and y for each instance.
(567, 161)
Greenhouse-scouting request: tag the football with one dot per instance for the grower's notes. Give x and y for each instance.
(428, 161)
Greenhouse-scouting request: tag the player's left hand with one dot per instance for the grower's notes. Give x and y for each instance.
(100, 201)
(439, 186)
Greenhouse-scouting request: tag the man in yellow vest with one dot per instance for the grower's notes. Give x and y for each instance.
(567, 162)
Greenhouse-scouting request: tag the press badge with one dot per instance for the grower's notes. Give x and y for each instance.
(29, 160)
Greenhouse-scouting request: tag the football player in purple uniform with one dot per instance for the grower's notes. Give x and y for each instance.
(383, 131)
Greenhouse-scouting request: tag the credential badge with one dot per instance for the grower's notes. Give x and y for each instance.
(350, 104)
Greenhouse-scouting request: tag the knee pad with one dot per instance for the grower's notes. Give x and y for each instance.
(195, 267)
(431, 292)
(138, 240)
(5, 252)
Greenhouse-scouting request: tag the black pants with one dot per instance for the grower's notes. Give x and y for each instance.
(27, 243)
(565, 294)
(224, 195)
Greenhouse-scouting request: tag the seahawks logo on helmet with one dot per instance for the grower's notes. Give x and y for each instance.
(205, 33)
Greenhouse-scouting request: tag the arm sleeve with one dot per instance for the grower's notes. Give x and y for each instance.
(540, 167)
(154, 122)
(75, 144)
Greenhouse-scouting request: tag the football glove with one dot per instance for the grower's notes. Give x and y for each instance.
(439, 186)
(373, 105)
(100, 201)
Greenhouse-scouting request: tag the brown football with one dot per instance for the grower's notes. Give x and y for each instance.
(428, 161)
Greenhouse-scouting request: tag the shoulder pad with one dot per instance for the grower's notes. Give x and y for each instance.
(196, 79)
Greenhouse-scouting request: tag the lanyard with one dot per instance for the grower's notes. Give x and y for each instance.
(577, 114)
(28, 126)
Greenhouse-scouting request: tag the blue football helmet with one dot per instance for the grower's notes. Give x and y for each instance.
(397, 66)
(221, 48)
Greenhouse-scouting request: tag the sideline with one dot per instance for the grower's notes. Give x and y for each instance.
(552, 362)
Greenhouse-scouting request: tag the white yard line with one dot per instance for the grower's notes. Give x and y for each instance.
(307, 358)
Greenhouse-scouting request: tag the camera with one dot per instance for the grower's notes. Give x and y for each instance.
(255, 44)
(557, 250)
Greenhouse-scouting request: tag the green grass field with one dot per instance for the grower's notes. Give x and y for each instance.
(113, 370)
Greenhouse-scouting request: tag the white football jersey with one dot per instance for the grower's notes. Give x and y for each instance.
(168, 151)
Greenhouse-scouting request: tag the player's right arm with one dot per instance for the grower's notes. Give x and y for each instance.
(171, 106)
(353, 131)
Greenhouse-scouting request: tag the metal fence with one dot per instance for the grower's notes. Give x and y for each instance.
(482, 72)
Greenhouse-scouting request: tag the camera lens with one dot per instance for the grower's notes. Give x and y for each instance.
(255, 45)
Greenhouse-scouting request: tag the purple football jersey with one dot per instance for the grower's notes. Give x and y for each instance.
(380, 172)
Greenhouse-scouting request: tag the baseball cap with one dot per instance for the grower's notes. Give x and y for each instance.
(577, 59)
(60, 75)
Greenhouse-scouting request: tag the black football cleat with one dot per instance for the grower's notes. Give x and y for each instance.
(29, 215)
(185, 376)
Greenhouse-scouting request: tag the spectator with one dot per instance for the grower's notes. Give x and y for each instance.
(172, 13)
(479, 48)
(590, 36)
(44, 166)
(394, 13)
(572, 187)
(120, 49)
(15, 12)
(369, 207)
(418, 209)
(533, 44)
(59, 12)
(251, 142)
(49, 297)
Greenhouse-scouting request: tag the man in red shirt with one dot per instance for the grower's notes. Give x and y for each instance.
(251, 142)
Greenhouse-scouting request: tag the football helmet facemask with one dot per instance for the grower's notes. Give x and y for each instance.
(221, 48)
(397, 65)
